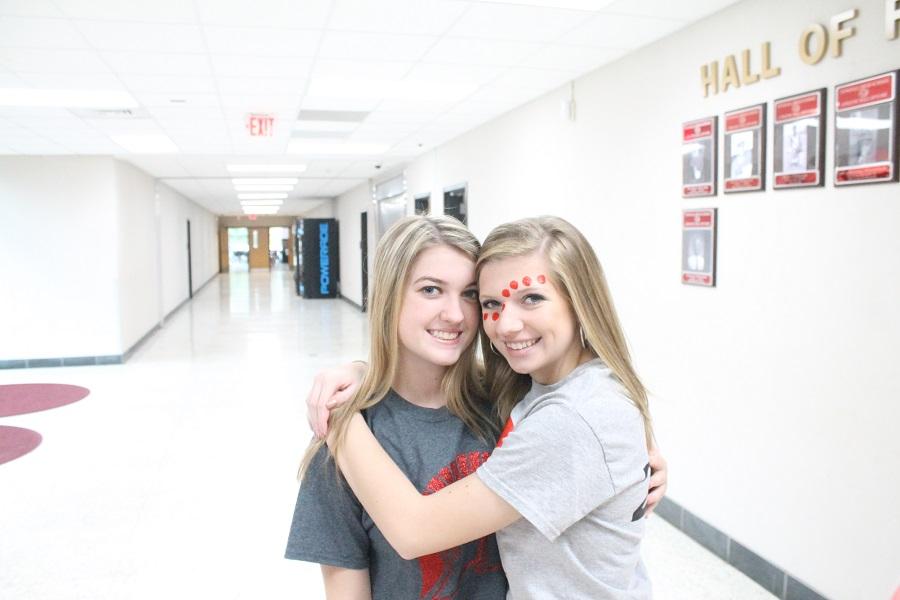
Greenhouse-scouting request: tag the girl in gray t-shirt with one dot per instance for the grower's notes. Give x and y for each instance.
(566, 486)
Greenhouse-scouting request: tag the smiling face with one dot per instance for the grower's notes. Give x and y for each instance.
(439, 316)
(528, 319)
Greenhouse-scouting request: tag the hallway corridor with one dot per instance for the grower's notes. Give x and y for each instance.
(175, 477)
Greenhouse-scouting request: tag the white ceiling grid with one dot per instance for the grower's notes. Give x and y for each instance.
(198, 67)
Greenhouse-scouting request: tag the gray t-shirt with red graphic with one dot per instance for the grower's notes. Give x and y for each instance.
(573, 461)
(330, 526)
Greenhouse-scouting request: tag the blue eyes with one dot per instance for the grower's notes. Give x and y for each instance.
(433, 290)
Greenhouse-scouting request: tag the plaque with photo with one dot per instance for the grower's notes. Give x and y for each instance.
(865, 130)
(799, 141)
(698, 158)
(698, 247)
(745, 149)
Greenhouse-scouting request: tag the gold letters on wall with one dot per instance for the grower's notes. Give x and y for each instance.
(814, 43)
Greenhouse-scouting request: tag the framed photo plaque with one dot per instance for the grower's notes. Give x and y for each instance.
(745, 149)
(799, 141)
(698, 158)
(698, 247)
(865, 130)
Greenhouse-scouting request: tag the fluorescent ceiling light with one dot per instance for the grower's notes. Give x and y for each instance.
(267, 168)
(341, 147)
(262, 196)
(386, 89)
(105, 99)
(589, 5)
(263, 188)
(262, 202)
(325, 126)
(265, 181)
(261, 210)
(146, 143)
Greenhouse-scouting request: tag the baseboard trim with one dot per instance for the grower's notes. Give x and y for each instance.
(770, 576)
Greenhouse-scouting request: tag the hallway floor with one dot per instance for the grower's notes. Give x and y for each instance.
(175, 477)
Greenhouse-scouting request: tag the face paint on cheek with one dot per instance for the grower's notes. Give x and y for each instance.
(542, 279)
(495, 316)
(485, 316)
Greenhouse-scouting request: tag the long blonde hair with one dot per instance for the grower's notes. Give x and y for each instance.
(576, 271)
(462, 384)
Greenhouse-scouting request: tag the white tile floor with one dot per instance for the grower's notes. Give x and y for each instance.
(175, 477)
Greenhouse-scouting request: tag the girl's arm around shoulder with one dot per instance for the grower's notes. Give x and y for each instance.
(416, 525)
(346, 584)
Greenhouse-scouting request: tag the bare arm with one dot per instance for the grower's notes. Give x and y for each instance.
(416, 525)
(659, 479)
(346, 584)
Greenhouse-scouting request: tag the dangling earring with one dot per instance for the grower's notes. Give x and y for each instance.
(581, 334)
(494, 350)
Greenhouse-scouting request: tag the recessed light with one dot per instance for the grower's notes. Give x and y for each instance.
(263, 188)
(339, 147)
(295, 168)
(262, 202)
(146, 143)
(262, 196)
(265, 181)
(67, 98)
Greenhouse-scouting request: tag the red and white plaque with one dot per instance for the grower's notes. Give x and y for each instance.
(745, 149)
(799, 140)
(865, 130)
(698, 247)
(698, 158)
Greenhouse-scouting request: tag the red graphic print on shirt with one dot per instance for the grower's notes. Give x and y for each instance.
(443, 572)
(507, 429)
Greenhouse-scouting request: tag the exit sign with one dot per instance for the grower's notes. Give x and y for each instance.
(260, 125)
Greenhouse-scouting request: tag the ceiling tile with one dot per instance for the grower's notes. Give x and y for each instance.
(159, 100)
(29, 8)
(72, 81)
(521, 23)
(232, 65)
(462, 73)
(361, 69)
(683, 11)
(621, 31)
(158, 166)
(374, 46)
(173, 84)
(157, 63)
(262, 85)
(464, 51)
(262, 42)
(574, 58)
(142, 37)
(312, 14)
(27, 32)
(157, 11)
(33, 60)
(259, 103)
(428, 17)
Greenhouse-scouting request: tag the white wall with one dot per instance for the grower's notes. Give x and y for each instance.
(58, 258)
(88, 266)
(776, 392)
(347, 210)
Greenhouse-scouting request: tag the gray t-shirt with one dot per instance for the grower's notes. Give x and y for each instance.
(573, 461)
(330, 526)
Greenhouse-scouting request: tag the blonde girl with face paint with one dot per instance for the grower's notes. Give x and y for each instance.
(567, 484)
(422, 398)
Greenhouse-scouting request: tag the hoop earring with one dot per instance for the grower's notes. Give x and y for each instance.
(581, 334)
(494, 350)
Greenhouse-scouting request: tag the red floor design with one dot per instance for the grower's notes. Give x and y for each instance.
(33, 397)
(16, 442)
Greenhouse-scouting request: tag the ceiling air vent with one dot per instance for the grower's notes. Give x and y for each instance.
(111, 113)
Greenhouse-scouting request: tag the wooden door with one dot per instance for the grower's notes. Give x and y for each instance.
(223, 250)
(259, 247)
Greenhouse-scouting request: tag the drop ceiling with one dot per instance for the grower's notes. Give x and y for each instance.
(420, 71)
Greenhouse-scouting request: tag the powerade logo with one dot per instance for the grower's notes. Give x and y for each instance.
(324, 279)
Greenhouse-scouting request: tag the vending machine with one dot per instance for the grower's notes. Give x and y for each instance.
(317, 253)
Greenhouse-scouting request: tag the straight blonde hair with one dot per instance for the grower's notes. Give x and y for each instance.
(462, 384)
(576, 271)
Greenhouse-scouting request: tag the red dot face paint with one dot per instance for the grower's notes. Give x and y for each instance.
(514, 284)
(485, 316)
(505, 293)
(542, 279)
(503, 307)
(495, 316)
(526, 280)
